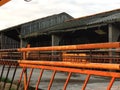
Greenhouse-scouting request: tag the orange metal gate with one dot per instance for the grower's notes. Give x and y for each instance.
(90, 59)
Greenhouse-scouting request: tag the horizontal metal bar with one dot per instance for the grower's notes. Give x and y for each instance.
(9, 50)
(71, 64)
(107, 66)
(74, 70)
(73, 47)
(9, 62)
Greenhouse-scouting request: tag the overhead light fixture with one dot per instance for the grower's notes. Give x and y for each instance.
(101, 32)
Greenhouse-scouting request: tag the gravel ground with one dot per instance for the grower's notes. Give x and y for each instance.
(75, 83)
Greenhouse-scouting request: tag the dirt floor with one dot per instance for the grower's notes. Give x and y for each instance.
(75, 83)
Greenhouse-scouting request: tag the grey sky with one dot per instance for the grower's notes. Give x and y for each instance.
(18, 11)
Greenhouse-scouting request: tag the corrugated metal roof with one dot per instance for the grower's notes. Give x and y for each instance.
(101, 18)
(113, 17)
(39, 25)
(106, 17)
(40, 19)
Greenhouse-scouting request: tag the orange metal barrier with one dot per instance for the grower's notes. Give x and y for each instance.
(106, 66)
(73, 47)
(55, 68)
(101, 59)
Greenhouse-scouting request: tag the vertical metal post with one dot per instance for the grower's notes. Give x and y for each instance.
(13, 77)
(86, 81)
(29, 79)
(39, 79)
(111, 83)
(51, 81)
(67, 80)
(25, 78)
(20, 79)
(2, 72)
(25, 72)
(3, 88)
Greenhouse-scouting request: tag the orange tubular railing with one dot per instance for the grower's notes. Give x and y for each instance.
(74, 65)
(101, 59)
(73, 47)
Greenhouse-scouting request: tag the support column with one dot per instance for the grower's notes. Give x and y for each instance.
(23, 43)
(113, 33)
(55, 40)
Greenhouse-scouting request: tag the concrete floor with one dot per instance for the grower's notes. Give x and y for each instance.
(75, 83)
